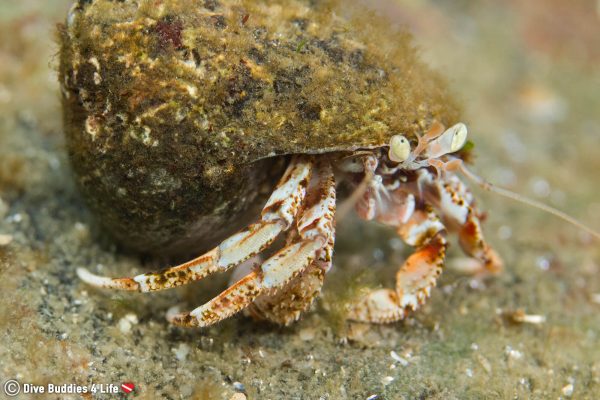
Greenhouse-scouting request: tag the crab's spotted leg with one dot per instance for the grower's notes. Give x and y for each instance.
(415, 278)
(470, 234)
(277, 216)
(455, 203)
(288, 303)
(473, 244)
(315, 234)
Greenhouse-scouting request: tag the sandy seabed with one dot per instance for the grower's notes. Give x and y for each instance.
(527, 75)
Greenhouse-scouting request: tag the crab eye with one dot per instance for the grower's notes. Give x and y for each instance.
(453, 139)
(399, 148)
(459, 136)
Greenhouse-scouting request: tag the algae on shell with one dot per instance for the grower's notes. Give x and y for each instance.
(166, 108)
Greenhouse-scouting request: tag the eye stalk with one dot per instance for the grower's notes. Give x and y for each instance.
(399, 149)
(452, 140)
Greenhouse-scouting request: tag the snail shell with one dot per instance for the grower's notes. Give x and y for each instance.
(176, 112)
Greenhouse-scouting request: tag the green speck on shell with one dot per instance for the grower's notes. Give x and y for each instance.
(168, 105)
(301, 44)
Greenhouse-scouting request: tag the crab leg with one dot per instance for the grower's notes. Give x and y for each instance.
(455, 203)
(315, 233)
(415, 278)
(473, 244)
(277, 216)
(289, 302)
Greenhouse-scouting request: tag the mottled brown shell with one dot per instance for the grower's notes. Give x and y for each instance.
(169, 104)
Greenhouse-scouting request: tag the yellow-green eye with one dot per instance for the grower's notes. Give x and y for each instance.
(452, 140)
(459, 137)
(399, 148)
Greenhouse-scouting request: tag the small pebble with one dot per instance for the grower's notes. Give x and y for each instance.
(239, 386)
(568, 390)
(386, 380)
(520, 317)
(307, 334)
(525, 382)
(5, 240)
(398, 359)
(127, 322)
(543, 263)
(246, 360)
(238, 396)
(182, 351)
(81, 230)
(16, 218)
(512, 353)
(186, 391)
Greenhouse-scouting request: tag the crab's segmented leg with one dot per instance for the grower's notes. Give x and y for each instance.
(470, 234)
(289, 302)
(277, 216)
(415, 278)
(473, 244)
(315, 232)
(455, 203)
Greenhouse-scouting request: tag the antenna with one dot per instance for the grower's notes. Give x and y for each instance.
(522, 199)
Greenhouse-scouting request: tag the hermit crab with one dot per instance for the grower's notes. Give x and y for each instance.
(183, 116)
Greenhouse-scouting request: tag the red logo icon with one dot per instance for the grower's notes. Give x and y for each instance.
(127, 387)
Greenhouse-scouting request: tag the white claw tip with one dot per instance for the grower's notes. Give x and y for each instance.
(92, 279)
(106, 282)
(399, 148)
